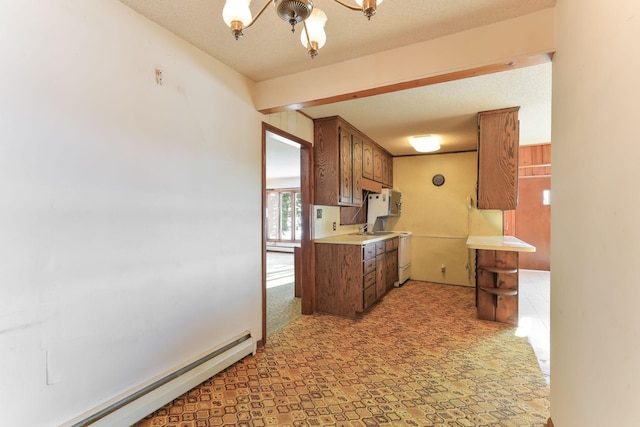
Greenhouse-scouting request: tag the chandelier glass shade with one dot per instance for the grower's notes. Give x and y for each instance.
(237, 15)
(313, 36)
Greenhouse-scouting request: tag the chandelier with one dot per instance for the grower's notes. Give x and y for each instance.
(237, 16)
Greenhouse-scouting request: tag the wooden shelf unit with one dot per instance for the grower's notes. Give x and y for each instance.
(497, 286)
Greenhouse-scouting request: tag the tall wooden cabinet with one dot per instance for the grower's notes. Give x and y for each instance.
(498, 146)
(346, 162)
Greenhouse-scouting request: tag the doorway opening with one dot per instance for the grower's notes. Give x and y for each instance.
(286, 227)
(531, 222)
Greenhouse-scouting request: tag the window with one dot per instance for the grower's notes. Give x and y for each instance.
(284, 219)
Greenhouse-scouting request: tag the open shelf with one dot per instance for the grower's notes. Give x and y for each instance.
(500, 291)
(499, 270)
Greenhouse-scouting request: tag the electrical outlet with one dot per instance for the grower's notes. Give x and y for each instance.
(334, 226)
(319, 213)
(443, 268)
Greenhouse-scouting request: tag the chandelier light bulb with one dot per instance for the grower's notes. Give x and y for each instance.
(369, 7)
(315, 26)
(237, 15)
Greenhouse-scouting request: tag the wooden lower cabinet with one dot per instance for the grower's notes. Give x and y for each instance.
(391, 260)
(381, 268)
(351, 278)
(381, 275)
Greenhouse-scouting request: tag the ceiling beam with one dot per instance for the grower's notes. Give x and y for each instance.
(522, 41)
(426, 81)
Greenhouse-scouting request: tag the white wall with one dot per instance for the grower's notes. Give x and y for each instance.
(595, 282)
(124, 248)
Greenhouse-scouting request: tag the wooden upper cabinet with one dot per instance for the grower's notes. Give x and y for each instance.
(498, 146)
(337, 163)
(382, 167)
(343, 158)
(377, 164)
(387, 170)
(346, 165)
(367, 159)
(326, 158)
(356, 153)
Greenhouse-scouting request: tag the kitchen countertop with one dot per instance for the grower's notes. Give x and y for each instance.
(499, 243)
(357, 239)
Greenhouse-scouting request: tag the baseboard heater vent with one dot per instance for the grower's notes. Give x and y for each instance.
(135, 404)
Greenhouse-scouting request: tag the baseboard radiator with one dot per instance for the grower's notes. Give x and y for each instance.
(137, 403)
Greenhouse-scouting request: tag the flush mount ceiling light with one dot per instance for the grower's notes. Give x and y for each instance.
(237, 16)
(425, 143)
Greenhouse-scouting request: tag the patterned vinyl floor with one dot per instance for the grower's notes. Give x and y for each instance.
(419, 357)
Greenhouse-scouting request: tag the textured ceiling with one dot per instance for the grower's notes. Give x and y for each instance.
(449, 110)
(269, 50)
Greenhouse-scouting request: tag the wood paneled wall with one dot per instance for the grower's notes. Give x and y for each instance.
(535, 160)
(531, 221)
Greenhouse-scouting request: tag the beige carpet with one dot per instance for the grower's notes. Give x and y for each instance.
(282, 307)
(418, 358)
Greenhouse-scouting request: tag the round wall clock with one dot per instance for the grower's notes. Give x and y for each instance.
(437, 180)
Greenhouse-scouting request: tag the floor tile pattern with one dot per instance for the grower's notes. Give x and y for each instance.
(417, 358)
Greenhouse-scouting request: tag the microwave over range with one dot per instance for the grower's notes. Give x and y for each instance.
(384, 204)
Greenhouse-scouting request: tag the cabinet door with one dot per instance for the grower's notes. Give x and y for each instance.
(352, 215)
(367, 159)
(377, 164)
(326, 159)
(357, 169)
(389, 175)
(346, 166)
(498, 147)
(385, 169)
(339, 279)
(381, 275)
(391, 261)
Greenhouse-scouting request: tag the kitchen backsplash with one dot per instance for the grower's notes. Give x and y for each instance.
(324, 226)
